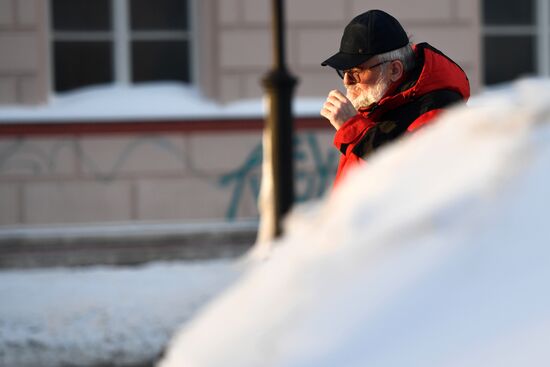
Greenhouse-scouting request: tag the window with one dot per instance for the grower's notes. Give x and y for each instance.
(516, 38)
(120, 41)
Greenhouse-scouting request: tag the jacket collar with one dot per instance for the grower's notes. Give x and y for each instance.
(433, 71)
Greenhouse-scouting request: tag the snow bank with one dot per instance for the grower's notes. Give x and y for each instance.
(435, 254)
(101, 316)
(147, 101)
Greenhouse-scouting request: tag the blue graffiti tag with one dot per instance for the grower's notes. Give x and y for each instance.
(310, 183)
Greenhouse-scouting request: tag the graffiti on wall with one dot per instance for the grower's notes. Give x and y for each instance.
(25, 157)
(25, 162)
(17, 156)
(310, 181)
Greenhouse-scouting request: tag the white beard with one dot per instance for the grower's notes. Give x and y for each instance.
(372, 95)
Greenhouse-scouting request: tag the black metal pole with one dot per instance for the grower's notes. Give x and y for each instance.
(279, 86)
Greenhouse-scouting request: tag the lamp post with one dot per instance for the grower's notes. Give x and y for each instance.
(279, 86)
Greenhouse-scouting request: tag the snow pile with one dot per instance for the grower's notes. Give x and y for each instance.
(147, 101)
(435, 254)
(102, 315)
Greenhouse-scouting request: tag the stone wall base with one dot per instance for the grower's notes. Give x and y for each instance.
(123, 243)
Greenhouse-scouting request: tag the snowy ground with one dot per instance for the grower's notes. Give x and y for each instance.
(101, 316)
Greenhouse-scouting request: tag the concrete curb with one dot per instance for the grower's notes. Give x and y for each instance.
(123, 243)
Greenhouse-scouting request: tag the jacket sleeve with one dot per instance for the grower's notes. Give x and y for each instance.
(345, 140)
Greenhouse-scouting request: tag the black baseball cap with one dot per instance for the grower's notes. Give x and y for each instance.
(371, 33)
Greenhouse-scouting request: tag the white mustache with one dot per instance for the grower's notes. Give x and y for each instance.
(361, 98)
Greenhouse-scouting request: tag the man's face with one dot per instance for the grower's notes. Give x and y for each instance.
(367, 83)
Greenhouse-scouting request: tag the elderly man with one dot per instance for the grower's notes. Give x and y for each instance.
(392, 86)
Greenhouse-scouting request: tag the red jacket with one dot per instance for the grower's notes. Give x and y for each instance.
(436, 83)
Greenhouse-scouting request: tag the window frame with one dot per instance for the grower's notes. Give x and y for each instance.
(540, 30)
(121, 37)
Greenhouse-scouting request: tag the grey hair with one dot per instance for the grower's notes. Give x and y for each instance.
(404, 54)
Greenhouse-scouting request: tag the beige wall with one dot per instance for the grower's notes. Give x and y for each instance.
(183, 177)
(237, 45)
(24, 53)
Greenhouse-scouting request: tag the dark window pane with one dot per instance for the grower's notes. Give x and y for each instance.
(508, 12)
(508, 57)
(160, 60)
(158, 14)
(81, 15)
(78, 64)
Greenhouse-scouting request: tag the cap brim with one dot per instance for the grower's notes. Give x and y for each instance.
(344, 61)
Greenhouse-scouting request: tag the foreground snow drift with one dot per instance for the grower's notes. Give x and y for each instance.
(435, 254)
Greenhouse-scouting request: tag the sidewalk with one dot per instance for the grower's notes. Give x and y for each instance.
(123, 243)
(70, 297)
(102, 315)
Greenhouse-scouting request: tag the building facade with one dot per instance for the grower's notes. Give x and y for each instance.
(221, 46)
(92, 167)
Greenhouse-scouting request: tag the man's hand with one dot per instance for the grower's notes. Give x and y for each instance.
(338, 109)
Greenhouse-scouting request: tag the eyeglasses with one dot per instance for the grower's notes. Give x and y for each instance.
(354, 73)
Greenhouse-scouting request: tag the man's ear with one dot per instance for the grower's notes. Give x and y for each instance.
(396, 70)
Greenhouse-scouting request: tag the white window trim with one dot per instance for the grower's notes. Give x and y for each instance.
(510, 30)
(193, 34)
(540, 30)
(121, 46)
(543, 37)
